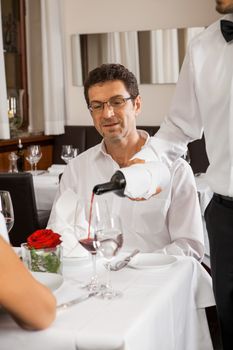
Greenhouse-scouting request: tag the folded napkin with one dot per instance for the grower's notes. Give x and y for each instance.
(63, 222)
(46, 179)
(57, 168)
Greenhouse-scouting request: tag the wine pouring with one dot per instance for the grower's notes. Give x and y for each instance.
(135, 181)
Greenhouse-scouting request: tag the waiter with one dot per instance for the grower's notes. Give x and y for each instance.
(203, 101)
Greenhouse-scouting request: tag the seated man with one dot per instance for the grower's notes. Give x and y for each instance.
(168, 222)
(30, 303)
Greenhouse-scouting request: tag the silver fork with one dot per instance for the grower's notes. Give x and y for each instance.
(122, 263)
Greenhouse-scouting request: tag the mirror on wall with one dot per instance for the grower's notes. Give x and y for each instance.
(155, 56)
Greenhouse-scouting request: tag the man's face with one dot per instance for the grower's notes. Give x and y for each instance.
(114, 124)
(224, 6)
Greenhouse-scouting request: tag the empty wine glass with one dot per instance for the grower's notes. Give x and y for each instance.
(108, 241)
(33, 156)
(86, 213)
(75, 152)
(67, 153)
(6, 208)
(187, 157)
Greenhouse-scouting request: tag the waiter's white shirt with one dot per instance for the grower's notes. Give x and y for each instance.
(203, 101)
(169, 222)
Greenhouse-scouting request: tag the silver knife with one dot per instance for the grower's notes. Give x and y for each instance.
(83, 297)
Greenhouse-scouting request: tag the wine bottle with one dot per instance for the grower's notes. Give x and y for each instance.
(137, 180)
(116, 184)
(20, 155)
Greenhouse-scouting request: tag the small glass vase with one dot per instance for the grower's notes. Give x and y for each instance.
(43, 260)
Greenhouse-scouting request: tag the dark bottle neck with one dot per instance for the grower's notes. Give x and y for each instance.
(116, 184)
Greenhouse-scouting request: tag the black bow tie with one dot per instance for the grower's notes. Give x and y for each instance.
(227, 29)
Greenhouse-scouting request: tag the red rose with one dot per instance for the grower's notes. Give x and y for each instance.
(43, 239)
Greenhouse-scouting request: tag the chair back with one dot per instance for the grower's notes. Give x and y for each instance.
(20, 186)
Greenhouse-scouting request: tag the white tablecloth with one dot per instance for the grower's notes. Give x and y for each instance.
(160, 309)
(45, 186)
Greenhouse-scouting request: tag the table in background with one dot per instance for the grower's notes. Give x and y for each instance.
(161, 308)
(46, 184)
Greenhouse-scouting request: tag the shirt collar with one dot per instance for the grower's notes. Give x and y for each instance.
(142, 133)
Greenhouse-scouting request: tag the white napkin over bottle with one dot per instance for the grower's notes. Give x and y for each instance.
(142, 180)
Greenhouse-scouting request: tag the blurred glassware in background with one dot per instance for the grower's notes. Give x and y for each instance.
(13, 163)
(15, 110)
(33, 156)
(75, 152)
(186, 156)
(68, 152)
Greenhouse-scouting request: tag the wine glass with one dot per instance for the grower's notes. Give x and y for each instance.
(86, 213)
(67, 153)
(34, 154)
(75, 152)
(187, 157)
(108, 241)
(7, 210)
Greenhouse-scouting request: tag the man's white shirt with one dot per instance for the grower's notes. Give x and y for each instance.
(169, 222)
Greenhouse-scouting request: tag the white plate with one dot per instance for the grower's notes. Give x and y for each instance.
(51, 280)
(151, 260)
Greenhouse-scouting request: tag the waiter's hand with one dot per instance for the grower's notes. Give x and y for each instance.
(141, 161)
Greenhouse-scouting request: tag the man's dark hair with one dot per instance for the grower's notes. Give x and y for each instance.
(108, 72)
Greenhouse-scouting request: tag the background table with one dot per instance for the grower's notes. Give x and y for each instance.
(45, 186)
(160, 309)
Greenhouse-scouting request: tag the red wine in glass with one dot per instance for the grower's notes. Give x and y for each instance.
(86, 236)
(88, 244)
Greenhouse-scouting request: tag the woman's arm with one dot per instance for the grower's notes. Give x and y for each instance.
(30, 303)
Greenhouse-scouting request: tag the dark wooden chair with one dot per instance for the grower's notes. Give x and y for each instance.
(27, 217)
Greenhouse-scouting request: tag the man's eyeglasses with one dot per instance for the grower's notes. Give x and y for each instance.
(115, 102)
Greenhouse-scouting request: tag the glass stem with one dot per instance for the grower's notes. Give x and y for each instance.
(93, 257)
(108, 282)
